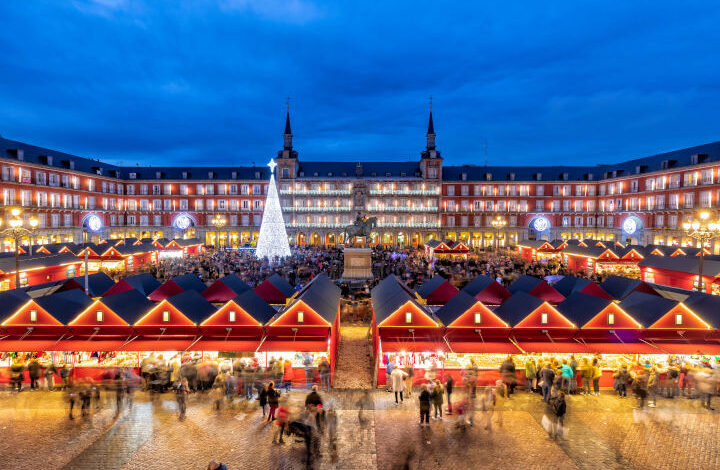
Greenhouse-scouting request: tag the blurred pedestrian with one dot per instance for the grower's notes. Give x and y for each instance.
(547, 377)
(213, 465)
(182, 389)
(597, 374)
(397, 383)
(273, 398)
(17, 371)
(501, 394)
(424, 400)
(72, 396)
(449, 384)
(262, 399)
(309, 372)
(530, 374)
(283, 414)
(652, 386)
(409, 379)
(33, 368)
(559, 408)
(324, 371)
(50, 377)
(587, 372)
(437, 398)
(507, 372)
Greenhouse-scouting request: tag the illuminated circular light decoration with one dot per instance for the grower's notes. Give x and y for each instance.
(631, 225)
(94, 223)
(182, 222)
(540, 224)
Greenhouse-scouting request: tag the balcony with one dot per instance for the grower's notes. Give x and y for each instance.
(317, 209)
(405, 192)
(402, 209)
(316, 192)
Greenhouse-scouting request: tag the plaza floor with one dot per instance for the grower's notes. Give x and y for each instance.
(603, 432)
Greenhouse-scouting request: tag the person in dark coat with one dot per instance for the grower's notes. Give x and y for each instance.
(424, 400)
(34, 372)
(449, 389)
(16, 374)
(507, 372)
(559, 408)
(263, 398)
(273, 398)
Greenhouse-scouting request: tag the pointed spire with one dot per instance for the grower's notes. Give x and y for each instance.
(287, 151)
(431, 127)
(287, 123)
(430, 151)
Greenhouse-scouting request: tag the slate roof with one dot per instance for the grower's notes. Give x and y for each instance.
(429, 286)
(569, 284)
(130, 305)
(379, 169)
(455, 307)
(189, 282)
(145, 283)
(646, 308)
(706, 306)
(516, 308)
(580, 308)
(388, 296)
(620, 287)
(191, 304)
(11, 301)
(524, 283)
(323, 296)
(65, 306)
(487, 290)
(98, 284)
(281, 284)
(225, 288)
(255, 306)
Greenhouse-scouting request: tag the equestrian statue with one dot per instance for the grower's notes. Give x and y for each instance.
(362, 227)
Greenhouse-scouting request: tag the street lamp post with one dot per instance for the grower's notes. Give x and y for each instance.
(218, 221)
(703, 231)
(498, 223)
(16, 230)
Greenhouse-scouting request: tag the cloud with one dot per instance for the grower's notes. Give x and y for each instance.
(183, 82)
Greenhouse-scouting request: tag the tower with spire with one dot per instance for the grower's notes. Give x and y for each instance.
(430, 159)
(430, 150)
(287, 157)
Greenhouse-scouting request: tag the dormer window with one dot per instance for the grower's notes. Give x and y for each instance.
(478, 318)
(99, 316)
(301, 317)
(678, 319)
(544, 318)
(611, 318)
(33, 316)
(408, 317)
(257, 175)
(231, 316)
(166, 316)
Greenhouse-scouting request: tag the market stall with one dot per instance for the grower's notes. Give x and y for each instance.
(406, 331)
(309, 324)
(620, 287)
(145, 283)
(571, 284)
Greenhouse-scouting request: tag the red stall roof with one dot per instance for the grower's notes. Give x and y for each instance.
(564, 347)
(405, 344)
(484, 347)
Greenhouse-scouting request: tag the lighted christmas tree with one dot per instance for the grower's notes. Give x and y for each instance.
(273, 239)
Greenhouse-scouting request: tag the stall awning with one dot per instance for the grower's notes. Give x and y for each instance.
(564, 347)
(391, 345)
(686, 348)
(230, 345)
(157, 345)
(622, 348)
(26, 345)
(487, 347)
(88, 345)
(298, 345)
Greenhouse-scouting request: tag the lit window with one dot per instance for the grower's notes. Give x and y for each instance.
(301, 317)
(544, 318)
(166, 316)
(231, 315)
(611, 318)
(408, 317)
(33, 315)
(678, 319)
(477, 318)
(99, 315)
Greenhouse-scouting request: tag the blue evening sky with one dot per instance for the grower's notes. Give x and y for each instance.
(204, 82)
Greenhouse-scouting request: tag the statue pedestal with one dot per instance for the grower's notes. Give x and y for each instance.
(358, 263)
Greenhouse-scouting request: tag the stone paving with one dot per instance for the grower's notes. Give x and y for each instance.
(603, 432)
